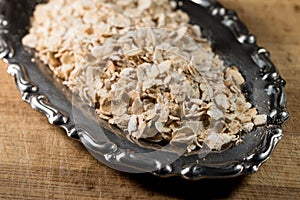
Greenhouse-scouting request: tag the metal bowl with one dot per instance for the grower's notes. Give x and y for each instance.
(230, 39)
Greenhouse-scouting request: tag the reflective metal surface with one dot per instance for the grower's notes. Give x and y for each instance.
(230, 39)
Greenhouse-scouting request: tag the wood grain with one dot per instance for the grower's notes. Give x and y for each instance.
(38, 161)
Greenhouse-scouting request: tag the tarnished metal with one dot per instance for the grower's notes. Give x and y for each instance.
(230, 39)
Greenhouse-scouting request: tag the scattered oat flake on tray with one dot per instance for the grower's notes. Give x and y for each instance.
(145, 69)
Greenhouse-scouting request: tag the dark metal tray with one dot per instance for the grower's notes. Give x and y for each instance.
(230, 39)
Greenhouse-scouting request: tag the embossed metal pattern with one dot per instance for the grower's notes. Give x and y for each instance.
(188, 167)
(4, 49)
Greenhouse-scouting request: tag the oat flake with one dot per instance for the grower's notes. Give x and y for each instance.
(144, 69)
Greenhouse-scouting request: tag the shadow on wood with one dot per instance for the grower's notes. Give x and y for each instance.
(184, 189)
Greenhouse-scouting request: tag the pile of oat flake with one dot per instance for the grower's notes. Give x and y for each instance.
(145, 69)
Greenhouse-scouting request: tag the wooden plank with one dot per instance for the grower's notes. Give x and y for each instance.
(37, 161)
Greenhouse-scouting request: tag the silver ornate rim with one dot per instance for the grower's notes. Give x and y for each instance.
(192, 171)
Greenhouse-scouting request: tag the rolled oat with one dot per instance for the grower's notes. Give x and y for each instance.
(144, 69)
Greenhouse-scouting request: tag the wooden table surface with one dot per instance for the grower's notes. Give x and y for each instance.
(38, 161)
